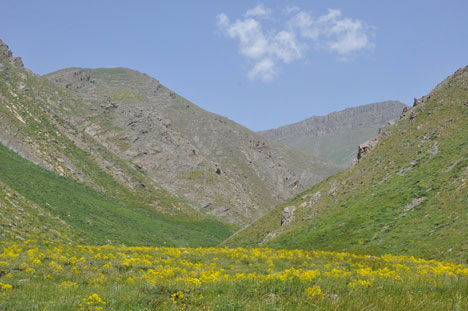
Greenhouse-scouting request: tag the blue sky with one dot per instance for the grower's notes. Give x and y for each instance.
(262, 64)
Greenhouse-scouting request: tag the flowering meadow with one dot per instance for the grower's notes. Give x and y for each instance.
(41, 276)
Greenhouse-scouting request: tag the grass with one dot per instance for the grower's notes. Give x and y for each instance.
(99, 219)
(22, 219)
(125, 205)
(364, 210)
(38, 276)
(367, 209)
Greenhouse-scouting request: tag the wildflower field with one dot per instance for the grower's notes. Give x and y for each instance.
(41, 276)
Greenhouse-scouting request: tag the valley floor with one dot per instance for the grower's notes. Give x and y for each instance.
(44, 276)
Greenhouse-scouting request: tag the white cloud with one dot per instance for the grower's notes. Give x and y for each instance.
(345, 36)
(349, 36)
(222, 20)
(252, 41)
(263, 50)
(306, 25)
(285, 47)
(259, 11)
(266, 50)
(264, 69)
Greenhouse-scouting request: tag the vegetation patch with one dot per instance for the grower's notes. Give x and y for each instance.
(98, 218)
(40, 275)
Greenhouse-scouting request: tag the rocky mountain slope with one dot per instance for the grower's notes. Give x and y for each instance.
(124, 134)
(31, 125)
(336, 135)
(67, 187)
(218, 166)
(408, 193)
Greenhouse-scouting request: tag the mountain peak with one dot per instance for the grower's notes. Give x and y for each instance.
(7, 54)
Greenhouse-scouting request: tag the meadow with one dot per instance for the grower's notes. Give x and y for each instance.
(37, 275)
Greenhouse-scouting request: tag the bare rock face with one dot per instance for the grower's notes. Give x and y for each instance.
(421, 101)
(6, 54)
(288, 215)
(366, 147)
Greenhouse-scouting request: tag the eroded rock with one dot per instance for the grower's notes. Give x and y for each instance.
(288, 215)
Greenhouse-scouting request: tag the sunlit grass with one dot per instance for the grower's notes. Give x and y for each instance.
(41, 276)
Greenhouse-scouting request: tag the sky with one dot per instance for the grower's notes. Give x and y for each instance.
(261, 64)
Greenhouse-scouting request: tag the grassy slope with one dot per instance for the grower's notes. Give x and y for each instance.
(21, 219)
(362, 209)
(30, 107)
(29, 118)
(97, 218)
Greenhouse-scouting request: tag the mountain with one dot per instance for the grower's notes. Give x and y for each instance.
(215, 164)
(59, 184)
(137, 147)
(408, 193)
(336, 135)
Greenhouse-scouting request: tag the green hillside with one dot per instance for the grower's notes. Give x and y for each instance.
(87, 215)
(23, 220)
(408, 195)
(78, 189)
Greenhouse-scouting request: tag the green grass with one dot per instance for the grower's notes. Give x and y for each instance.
(37, 276)
(21, 219)
(362, 209)
(99, 219)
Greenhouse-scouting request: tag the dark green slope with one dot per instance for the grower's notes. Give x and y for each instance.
(93, 217)
(408, 195)
(21, 219)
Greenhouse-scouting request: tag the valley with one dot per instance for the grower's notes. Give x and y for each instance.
(116, 193)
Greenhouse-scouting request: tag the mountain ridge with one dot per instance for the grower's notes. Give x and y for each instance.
(123, 133)
(336, 135)
(199, 152)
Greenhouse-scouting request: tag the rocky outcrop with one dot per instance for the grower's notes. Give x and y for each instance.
(366, 147)
(370, 144)
(288, 215)
(6, 54)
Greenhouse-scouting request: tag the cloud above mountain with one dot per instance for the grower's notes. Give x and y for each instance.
(266, 48)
